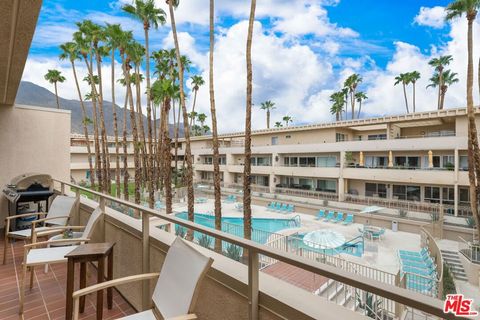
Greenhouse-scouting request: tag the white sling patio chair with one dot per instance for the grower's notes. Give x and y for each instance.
(60, 211)
(177, 286)
(34, 256)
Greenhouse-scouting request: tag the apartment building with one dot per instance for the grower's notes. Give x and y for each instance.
(416, 158)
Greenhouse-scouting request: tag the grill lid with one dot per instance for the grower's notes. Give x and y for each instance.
(24, 181)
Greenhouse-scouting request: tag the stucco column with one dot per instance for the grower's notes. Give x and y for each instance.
(390, 159)
(455, 199)
(341, 181)
(430, 159)
(272, 182)
(456, 164)
(361, 162)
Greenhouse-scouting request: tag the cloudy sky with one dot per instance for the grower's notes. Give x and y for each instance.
(302, 52)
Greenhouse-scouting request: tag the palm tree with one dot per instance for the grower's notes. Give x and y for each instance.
(352, 83)
(216, 156)
(278, 124)
(404, 79)
(150, 15)
(449, 78)
(413, 77)
(287, 119)
(114, 34)
(247, 209)
(197, 82)
(454, 10)
(360, 97)
(268, 105)
(202, 117)
(54, 76)
(439, 64)
(338, 99)
(188, 151)
(71, 52)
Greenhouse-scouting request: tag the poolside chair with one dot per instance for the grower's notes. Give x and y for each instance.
(159, 205)
(176, 291)
(378, 235)
(278, 207)
(348, 220)
(284, 208)
(422, 258)
(422, 253)
(330, 216)
(320, 215)
(420, 272)
(290, 208)
(427, 265)
(339, 218)
(271, 206)
(61, 209)
(34, 256)
(230, 199)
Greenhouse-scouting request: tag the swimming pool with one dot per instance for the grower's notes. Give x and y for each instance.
(262, 228)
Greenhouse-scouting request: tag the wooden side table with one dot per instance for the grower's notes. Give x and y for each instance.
(88, 253)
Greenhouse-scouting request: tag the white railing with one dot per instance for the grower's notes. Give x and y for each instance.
(401, 296)
(307, 193)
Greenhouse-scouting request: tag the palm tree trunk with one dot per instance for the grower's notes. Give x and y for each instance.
(442, 98)
(143, 146)
(125, 149)
(473, 156)
(115, 130)
(167, 158)
(413, 97)
(337, 116)
(192, 119)
(268, 119)
(359, 109)
(175, 130)
(216, 155)
(352, 100)
(405, 95)
(188, 151)
(85, 128)
(247, 210)
(106, 157)
(440, 84)
(98, 163)
(56, 94)
(151, 172)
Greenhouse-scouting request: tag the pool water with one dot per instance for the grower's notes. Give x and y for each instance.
(262, 228)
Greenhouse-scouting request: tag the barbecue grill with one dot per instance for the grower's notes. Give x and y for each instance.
(27, 188)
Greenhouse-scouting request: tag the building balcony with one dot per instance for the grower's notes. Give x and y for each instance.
(401, 175)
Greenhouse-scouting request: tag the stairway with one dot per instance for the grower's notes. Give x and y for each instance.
(338, 293)
(452, 259)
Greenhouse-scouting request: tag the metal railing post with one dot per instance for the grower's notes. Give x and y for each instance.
(145, 259)
(253, 274)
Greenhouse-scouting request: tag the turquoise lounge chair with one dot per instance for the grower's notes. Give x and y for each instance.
(422, 253)
(231, 199)
(339, 218)
(377, 235)
(284, 208)
(413, 258)
(290, 208)
(271, 206)
(320, 215)
(348, 220)
(428, 265)
(330, 216)
(421, 272)
(278, 207)
(159, 205)
(420, 284)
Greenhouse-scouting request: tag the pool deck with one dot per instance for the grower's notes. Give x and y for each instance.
(381, 254)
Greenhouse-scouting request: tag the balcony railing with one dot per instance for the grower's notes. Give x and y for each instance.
(403, 298)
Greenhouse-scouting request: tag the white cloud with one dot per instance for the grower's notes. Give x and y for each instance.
(431, 17)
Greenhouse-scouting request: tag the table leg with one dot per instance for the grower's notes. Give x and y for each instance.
(100, 276)
(83, 284)
(70, 278)
(110, 277)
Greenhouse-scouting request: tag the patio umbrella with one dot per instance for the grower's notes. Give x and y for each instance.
(324, 239)
(371, 209)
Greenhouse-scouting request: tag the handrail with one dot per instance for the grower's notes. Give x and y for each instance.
(400, 295)
(435, 250)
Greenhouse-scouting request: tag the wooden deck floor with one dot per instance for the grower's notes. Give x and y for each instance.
(296, 276)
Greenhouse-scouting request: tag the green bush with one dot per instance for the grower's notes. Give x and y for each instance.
(205, 241)
(470, 222)
(233, 252)
(448, 283)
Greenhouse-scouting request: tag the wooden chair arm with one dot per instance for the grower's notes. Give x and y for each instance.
(184, 317)
(24, 215)
(52, 230)
(34, 222)
(116, 282)
(36, 244)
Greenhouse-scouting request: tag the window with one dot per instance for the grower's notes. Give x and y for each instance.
(288, 137)
(464, 195)
(340, 137)
(208, 160)
(411, 193)
(375, 162)
(327, 185)
(463, 162)
(446, 162)
(307, 161)
(274, 141)
(412, 162)
(381, 136)
(305, 183)
(376, 190)
(448, 195)
(326, 161)
(290, 161)
(432, 194)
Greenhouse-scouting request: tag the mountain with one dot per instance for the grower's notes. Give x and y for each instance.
(34, 95)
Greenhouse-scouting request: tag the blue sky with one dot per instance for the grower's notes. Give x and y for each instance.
(303, 50)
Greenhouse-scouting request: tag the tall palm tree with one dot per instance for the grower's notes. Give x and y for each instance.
(247, 209)
(188, 151)
(454, 10)
(197, 82)
(439, 64)
(413, 77)
(278, 124)
(338, 99)
(150, 15)
(70, 51)
(287, 119)
(202, 117)
(449, 78)
(114, 33)
(404, 80)
(268, 106)
(55, 76)
(360, 97)
(352, 83)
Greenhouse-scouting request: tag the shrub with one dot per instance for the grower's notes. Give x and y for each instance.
(448, 283)
(402, 213)
(233, 252)
(470, 222)
(205, 241)
(180, 231)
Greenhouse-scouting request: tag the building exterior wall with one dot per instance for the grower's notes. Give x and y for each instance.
(33, 139)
